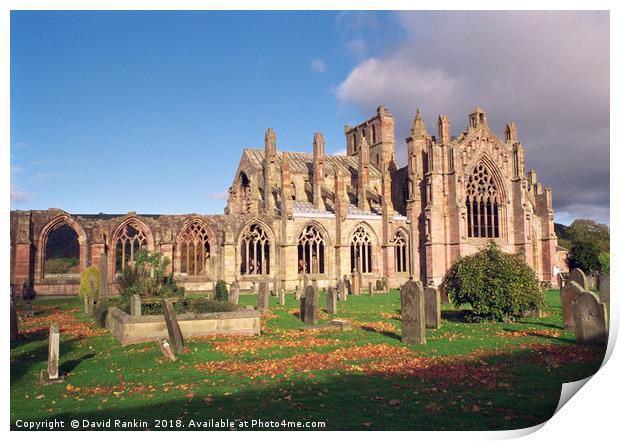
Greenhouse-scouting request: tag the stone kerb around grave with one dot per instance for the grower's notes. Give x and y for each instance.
(129, 330)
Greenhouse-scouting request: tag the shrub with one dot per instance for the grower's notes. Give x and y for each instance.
(584, 255)
(63, 265)
(85, 281)
(221, 292)
(604, 262)
(147, 277)
(200, 306)
(497, 285)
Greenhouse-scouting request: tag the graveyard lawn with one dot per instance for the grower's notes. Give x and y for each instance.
(469, 376)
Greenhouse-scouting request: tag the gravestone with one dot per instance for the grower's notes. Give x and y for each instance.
(331, 301)
(302, 308)
(297, 292)
(306, 281)
(412, 313)
(603, 289)
(233, 297)
(53, 352)
(445, 298)
(91, 296)
(136, 306)
(568, 295)
(254, 287)
(591, 326)
(103, 277)
(276, 287)
(578, 276)
(281, 297)
(165, 348)
(263, 296)
(342, 291)
(379, 285)
(315, 285)
(311, 306)
(385, 283)
(28, 311)
(370, 289)
(355, 284)
(432, 307)
(14, 329)
(174, 330)
(347, 284)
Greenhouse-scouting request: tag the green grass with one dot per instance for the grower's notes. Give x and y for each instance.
(507, 383)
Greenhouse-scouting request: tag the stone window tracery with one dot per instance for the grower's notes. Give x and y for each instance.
(361, 251)
(400, 252)
(482, 204)
(195, 250)
(311, 252)
(254, 251)
(129, 241)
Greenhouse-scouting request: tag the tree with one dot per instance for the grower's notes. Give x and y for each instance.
(497, 285)
(584, 254)
(588, 230)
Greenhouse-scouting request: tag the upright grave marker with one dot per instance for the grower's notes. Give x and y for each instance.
(281, 297)
(311, 306)
(53, 352)
(233, 297)
(432, 307)
(568, 295)
(297, 292)
(412, 313)
(591, 326)
(174, 330)
(355, 283)
(331, 301)
(263, 296)
(604, 289)
(578, 276)
(370, 289)
(135, 307)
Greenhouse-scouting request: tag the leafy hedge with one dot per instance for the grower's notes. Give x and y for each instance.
(221, 292)
(497, 285)
(85, 281)
(62, 265)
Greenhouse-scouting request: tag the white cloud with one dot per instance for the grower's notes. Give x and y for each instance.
(357, 47)
(317, 65)
(548, 71)
(218, 196)
(19, 197)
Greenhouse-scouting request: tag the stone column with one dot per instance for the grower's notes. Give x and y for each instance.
(53, 352)
(103, 277)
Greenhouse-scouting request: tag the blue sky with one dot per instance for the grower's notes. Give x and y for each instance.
(149, 111)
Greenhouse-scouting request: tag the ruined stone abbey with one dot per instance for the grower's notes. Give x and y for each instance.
(296, 213)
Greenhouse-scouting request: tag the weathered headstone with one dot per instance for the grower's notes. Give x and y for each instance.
(603, 289)
(315, 284)
(432, 307)
(412, 313)
(370, 289)
(53, 352)
(297, 292)
(311, 306)
(135, 307)
(14, 329)
(568, 295)
(233, 296)
(302, 308)
(263, 296)
(254, 287)
(355, 284)
(331, 301)
(347, 285)
(379, 285)
(445, 298)
(103, 277)
(591, 326)
(306, 281)
(174, 330)
(342, 291)
(281, 297)
(166, 349)
(578, 276)
(385, 283)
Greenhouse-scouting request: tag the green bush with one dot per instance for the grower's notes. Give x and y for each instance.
(63, 265)
(147, 277)
(584, 255)
(221, 292)
(199, 306)
(85, 281)
(497, 285)
(604, 262)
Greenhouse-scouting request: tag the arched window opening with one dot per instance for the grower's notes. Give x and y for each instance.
(311, 252)
(361, 251)
(400, 253)
(374, 134)
(195, 250)
(62, 251)
(482, 204)
(129, 241)
(254, 251)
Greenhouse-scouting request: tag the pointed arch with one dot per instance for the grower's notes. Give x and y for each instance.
(362, 243)
(484, 196)
(130, 236)
(401, 254)
(194, 248)
(55, 223)
(255, 243)
(312, 245)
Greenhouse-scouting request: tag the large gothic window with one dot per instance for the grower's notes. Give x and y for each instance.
(311, 252)
(129, 241)
(400, 253)
(195, 250)
(254, 251)
(482, 204)
(361, 251)
(62, 251)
